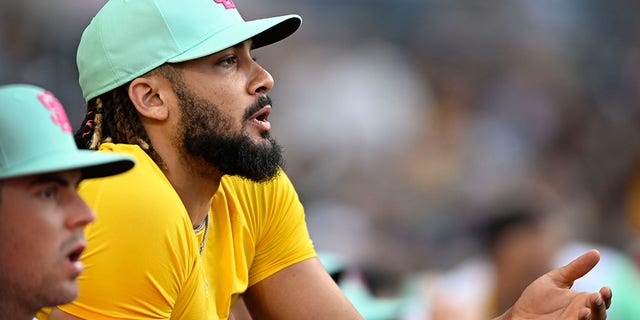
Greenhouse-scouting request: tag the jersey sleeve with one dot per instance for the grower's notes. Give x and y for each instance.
(279, 227)
(140, 262)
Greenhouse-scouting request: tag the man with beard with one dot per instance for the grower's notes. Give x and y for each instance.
(208, 215)
(41, 214)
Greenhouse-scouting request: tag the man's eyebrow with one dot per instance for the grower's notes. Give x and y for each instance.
(53, 177)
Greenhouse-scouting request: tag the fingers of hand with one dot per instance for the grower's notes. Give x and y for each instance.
(607, 295)
(585, 314)
(597, 305)
(577, 268)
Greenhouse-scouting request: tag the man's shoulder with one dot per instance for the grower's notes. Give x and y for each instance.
(145, 173)
(281, 180)
(144, 189)
(273, 195)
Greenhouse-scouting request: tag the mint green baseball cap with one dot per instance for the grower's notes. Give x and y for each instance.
(36, 138)
(128, 38)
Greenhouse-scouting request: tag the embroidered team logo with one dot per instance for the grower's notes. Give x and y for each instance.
(228, 4)
(58, 116)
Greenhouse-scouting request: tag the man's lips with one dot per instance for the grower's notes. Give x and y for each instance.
(260, 118)
(75, 254)
(73, 257)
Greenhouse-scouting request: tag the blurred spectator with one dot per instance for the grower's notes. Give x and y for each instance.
(351, 278)
(517, 248)
(632, 214)
(520, 243)
(521, 248)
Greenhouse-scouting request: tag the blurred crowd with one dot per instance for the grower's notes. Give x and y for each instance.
(406, 123)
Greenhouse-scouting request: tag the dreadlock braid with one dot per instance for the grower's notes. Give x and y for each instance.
(85, 134)
(111, 117)
(97, 125)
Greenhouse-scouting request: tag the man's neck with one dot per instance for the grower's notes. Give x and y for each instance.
(196, 196)
(194, 180)
(196, 184)
(9, 310)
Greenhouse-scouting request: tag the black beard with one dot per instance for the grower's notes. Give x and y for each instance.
(207, 135)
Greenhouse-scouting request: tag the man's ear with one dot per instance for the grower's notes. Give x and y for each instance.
(149, 96)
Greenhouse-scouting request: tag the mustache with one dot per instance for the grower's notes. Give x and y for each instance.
(262, 102)
(71, 242)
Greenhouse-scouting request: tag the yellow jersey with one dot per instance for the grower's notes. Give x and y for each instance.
(143, 257)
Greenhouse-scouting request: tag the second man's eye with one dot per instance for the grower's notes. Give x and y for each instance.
(50, 193)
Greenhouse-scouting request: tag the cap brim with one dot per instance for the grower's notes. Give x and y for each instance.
(93, 164)
(262, 31)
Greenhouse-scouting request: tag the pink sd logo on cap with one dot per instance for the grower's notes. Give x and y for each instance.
(58, 116)
(228, 4)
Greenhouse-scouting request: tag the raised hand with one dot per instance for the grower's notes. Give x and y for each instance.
(550, 296)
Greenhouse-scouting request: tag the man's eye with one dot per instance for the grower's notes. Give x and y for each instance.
(50, 193)
(228, 61)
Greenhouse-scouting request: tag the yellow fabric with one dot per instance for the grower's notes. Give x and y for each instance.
(143, 258)
(257, 230)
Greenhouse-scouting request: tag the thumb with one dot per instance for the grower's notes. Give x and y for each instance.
(565, 276)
